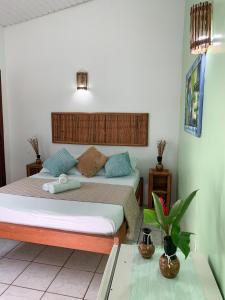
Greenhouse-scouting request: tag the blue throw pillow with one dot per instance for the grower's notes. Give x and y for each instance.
(60, 162)
(118, 165)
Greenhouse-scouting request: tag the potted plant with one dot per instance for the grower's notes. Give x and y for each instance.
(174, 238)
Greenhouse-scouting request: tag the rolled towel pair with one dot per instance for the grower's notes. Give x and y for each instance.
(63, 178)
(56, 187)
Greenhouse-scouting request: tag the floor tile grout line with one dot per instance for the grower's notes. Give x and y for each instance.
(95, 273)
(60, 268)
(35, 262)
(12, 248)
(99, 263)
(63, 265)
(30, 262)
(78, 269)
(39, 252)
(5, 289)
(22, 287)
(49, 264)
(93, 276)
(11, 284)
(89, 285)
(28, 288)
(72, 297)
(21, 272)
(26, 259)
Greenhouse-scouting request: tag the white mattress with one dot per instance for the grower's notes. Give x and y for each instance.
(93, 218)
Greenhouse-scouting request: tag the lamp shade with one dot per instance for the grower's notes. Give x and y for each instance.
(200, 27)
(82, 80)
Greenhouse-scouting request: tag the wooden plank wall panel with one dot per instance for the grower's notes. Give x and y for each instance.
(115, 129)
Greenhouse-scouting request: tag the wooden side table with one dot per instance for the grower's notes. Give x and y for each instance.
(159, 183)
(33, 168)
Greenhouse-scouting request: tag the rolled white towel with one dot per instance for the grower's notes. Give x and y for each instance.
(56, 187)
(63, 178)
(45, 187)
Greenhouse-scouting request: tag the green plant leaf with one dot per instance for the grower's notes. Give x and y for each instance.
(182, 206)
(150, 217)
(181, 239)
(174, 210)
(159, 211)
(184, 243)
(175, 231)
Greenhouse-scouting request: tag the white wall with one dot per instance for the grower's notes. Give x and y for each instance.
(132, 52)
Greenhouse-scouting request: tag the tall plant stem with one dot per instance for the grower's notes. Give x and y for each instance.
(167, 229)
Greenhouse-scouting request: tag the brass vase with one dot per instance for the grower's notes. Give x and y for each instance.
(169, 263)
(146, 247)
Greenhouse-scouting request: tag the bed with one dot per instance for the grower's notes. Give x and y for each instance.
(37, 223)
(86, 226)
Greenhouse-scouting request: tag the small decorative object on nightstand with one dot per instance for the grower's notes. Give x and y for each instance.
(161, 147)
(33, 168)
(159, 183)
(34, 144)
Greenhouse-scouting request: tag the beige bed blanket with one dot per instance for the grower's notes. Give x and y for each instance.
(89, 192)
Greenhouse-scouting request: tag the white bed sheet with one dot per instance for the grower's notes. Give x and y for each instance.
(85, 217)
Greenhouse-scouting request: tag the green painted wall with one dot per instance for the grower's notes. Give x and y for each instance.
(202, 160)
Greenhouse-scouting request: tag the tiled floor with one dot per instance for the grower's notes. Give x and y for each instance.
(32, 272)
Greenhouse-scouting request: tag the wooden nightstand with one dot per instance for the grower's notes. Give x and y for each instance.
(159, 183)
(33, 168)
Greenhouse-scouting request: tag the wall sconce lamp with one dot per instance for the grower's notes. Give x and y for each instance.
(82, 80)
(200, 27)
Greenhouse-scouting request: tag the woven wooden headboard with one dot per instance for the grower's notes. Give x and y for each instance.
(115, 129)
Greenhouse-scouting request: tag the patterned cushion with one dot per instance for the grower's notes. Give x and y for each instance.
(118, 165)
(90, 162)
(60, 162)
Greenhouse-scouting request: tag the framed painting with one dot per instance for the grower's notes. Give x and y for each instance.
(194, 97)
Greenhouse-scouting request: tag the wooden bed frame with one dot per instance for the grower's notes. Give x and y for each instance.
(67, 239)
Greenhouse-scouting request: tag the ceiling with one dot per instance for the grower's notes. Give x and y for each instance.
(18, 11)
